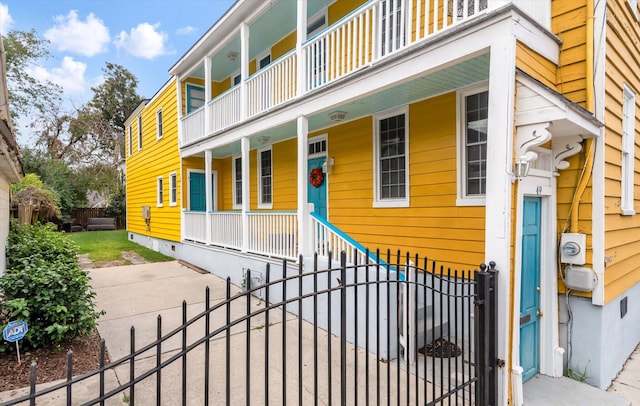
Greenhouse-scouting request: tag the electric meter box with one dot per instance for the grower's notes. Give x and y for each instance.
(573, 248)
(580, 278)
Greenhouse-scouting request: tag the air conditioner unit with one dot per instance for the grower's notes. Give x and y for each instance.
(146, 212)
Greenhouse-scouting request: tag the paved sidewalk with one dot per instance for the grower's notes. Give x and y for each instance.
(627, 383)
(135, 295)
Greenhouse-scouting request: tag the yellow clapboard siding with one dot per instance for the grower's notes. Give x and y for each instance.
(341, 8)
(433, 225)
(143, 170)
(535, 65)
(621, 232)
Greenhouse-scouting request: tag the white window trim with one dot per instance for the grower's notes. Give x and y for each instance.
(159, 124)
(233, 182)
(173, 178)
(189, 108)
(377, 201)
(139, 132)
(130, 139)
(261, 204)
(159, 191)
(628, 152)
(461, 158)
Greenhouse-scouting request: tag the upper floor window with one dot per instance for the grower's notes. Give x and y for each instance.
(264, 60)
(195, 97)
(236, 79)
(628, 150)
(159, 128)
(237, 182)
(160, 195)
(265, 178)
(317, 23)
(473, 105)
(173, 189)
(139, 132)
(392, 24)
(130, 139)
(392, 158)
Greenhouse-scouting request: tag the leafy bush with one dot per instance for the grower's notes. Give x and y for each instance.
(44, 286)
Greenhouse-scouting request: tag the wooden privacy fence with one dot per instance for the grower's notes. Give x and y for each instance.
(81, 214)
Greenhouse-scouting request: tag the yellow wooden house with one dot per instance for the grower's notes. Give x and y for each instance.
(466, 131)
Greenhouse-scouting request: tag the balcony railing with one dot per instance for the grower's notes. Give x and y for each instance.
(224, 111)
(273, 85)
(371, 33)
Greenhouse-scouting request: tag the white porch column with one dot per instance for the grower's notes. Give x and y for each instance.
(304, 224)
(179, 109)
(208, 190)
(207, 93)
(244, 146)
(244, 70)
(300, 38)
(498, 208)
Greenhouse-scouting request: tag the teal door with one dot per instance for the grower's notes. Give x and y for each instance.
(197, 191)
(530, 288)
(318, 195)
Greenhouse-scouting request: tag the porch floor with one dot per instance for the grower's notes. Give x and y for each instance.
(544, 390)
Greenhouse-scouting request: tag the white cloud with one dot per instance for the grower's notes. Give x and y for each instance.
(6, 21)
(144, 41)
(88, 38)
(70, 75)
(186, 30)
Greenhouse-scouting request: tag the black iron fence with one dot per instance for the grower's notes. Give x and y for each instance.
(398, 331)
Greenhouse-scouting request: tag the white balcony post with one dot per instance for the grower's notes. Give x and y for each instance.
(208, 190)
(244, 70)
(304, 229)
(244, 146)
(300, 38)
(179, 109)
(207, 94)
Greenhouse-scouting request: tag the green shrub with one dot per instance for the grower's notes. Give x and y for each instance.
(44, 286)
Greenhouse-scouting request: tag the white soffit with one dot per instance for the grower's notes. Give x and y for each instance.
(536, 103)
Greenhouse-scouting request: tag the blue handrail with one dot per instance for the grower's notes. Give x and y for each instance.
(355, 244)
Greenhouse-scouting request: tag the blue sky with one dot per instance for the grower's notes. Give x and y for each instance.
(146, 37)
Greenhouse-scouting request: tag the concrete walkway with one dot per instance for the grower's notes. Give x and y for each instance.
(135, 295)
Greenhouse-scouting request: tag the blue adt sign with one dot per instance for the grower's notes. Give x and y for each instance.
(15, 331)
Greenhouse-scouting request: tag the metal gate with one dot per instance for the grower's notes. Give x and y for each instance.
(394, 331)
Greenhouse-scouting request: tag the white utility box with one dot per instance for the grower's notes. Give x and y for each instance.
(580, 278)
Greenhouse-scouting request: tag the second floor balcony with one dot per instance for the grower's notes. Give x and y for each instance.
(265, 62)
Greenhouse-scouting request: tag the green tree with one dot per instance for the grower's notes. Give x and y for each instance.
(115, 99)
(25, 49)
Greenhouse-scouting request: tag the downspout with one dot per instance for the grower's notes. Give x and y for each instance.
(589, 148)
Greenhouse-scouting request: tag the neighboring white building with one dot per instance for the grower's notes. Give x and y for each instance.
(10, 166)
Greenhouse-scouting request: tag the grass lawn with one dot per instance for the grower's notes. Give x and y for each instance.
(108, 246)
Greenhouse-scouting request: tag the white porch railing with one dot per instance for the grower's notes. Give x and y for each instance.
(273, 85)
(224, 111)
(274, 234)
(226, 229)
(195, 226)
(371, 33)
(193, 126)
(327, 239)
